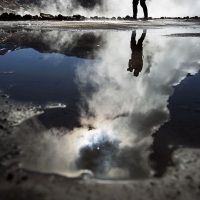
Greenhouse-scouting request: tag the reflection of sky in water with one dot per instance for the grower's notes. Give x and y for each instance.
(119, 112)
(39, 77)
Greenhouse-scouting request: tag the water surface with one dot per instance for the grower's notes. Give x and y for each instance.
(115, 104)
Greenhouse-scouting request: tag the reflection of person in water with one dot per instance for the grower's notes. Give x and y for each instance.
(143, 5)
(136, 62)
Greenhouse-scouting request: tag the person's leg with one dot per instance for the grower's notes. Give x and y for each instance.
(144, 6)
(133, 40)
(140, 41)
(135, 4)
(133, 46)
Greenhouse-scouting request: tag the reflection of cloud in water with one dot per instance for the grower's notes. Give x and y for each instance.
(69, 43)
(122, 111)
(141, 102)
(66, 41)
(58, 39)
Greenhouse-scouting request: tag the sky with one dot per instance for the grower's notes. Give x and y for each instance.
(157, 8)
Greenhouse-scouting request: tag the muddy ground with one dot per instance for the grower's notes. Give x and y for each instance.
(101, 25)
(181, 181)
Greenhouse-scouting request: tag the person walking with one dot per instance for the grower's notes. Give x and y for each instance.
(143, 5)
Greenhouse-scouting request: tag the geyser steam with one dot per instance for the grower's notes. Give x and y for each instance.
(109, 8)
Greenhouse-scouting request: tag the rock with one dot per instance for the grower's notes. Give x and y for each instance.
(60, 17)
(10, 177)
(36, 17)
(96, 17)
(77, 17)
(4, 16)
(27, 17)
(4, 96)
(46, 16)
(68, 18)
(127, 17)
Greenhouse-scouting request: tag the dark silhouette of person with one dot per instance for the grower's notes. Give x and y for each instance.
(143, 5)
(136, 61)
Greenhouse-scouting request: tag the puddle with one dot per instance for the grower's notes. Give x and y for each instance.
(110, 104)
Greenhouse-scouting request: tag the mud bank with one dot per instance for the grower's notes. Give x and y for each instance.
(101, 25)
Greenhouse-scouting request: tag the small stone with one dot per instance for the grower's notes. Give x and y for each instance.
(4, 96)
(10, 177)
(24, 177)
